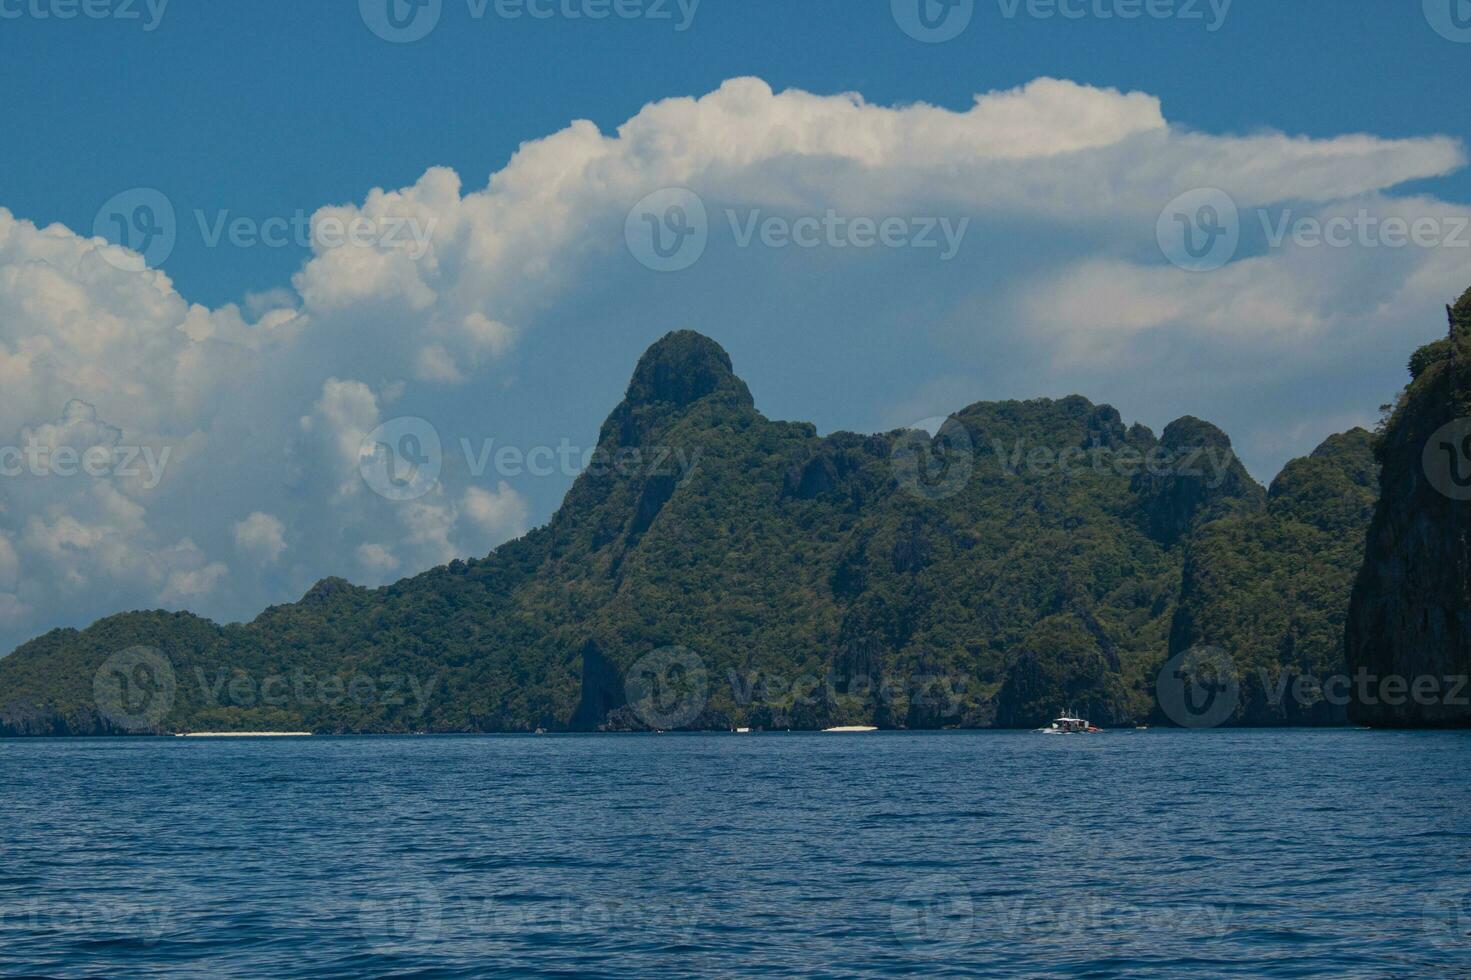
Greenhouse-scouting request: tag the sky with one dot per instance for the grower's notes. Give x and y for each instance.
(244, 244)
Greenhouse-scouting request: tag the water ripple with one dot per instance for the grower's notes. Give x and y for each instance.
(1152, 854)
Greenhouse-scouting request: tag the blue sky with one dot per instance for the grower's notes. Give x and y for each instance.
(262, 369)
(274, 105)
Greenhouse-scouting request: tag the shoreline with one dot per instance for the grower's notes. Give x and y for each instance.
(242, 735)
(707, 733)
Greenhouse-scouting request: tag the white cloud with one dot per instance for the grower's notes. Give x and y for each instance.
(194, 583)
(377, 559)
(428, 526)
(500, 512)
(261, 537)
(345, 414)
(9, 564)
(1059, 286)
(12, 611)
(1287, 298)
(1051, 148)
(437, 364)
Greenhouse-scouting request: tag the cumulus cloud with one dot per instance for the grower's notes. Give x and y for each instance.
(343, 416)
(1289, 294)
(9, 564)
(261, 537)
(13, 612)
(1050, 149)
(78, 428)
(263, 408)
(499, 512)
(376, 559)
(194, 583)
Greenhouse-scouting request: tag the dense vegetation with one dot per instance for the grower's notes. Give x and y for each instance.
(1030, 557)
(1271, 587)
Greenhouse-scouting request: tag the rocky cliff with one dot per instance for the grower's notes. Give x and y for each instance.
(1409, 623)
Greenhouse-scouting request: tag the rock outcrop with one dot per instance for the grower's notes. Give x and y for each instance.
(1408, 640)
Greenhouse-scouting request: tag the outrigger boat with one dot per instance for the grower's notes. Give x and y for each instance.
(1068, 725)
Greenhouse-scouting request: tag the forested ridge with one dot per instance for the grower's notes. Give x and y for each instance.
(1030, 557)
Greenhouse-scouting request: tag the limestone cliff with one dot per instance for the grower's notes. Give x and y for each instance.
(1409, 622)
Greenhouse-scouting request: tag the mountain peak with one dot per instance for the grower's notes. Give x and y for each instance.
(681, 368)
(1461, 312)
(1203, 481)
(1189, 432)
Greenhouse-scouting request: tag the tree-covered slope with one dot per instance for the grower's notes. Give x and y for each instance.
(1270, 589)
(1027, 558)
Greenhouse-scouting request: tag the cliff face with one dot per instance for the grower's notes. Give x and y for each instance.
(1409, 623)
(1208, 484)
(1025, 560)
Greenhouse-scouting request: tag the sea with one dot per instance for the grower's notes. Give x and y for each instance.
(1156, 853)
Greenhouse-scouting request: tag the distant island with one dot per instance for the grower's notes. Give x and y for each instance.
(714, 569)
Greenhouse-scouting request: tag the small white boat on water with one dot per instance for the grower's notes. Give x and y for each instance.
(1070, 725)
(848, 729)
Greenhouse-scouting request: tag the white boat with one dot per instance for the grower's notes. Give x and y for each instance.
(848, 729)
(1070, 725)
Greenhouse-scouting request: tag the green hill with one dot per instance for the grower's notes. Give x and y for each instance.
(1029, 557)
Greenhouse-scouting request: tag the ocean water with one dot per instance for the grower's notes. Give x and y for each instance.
(1261, 853)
